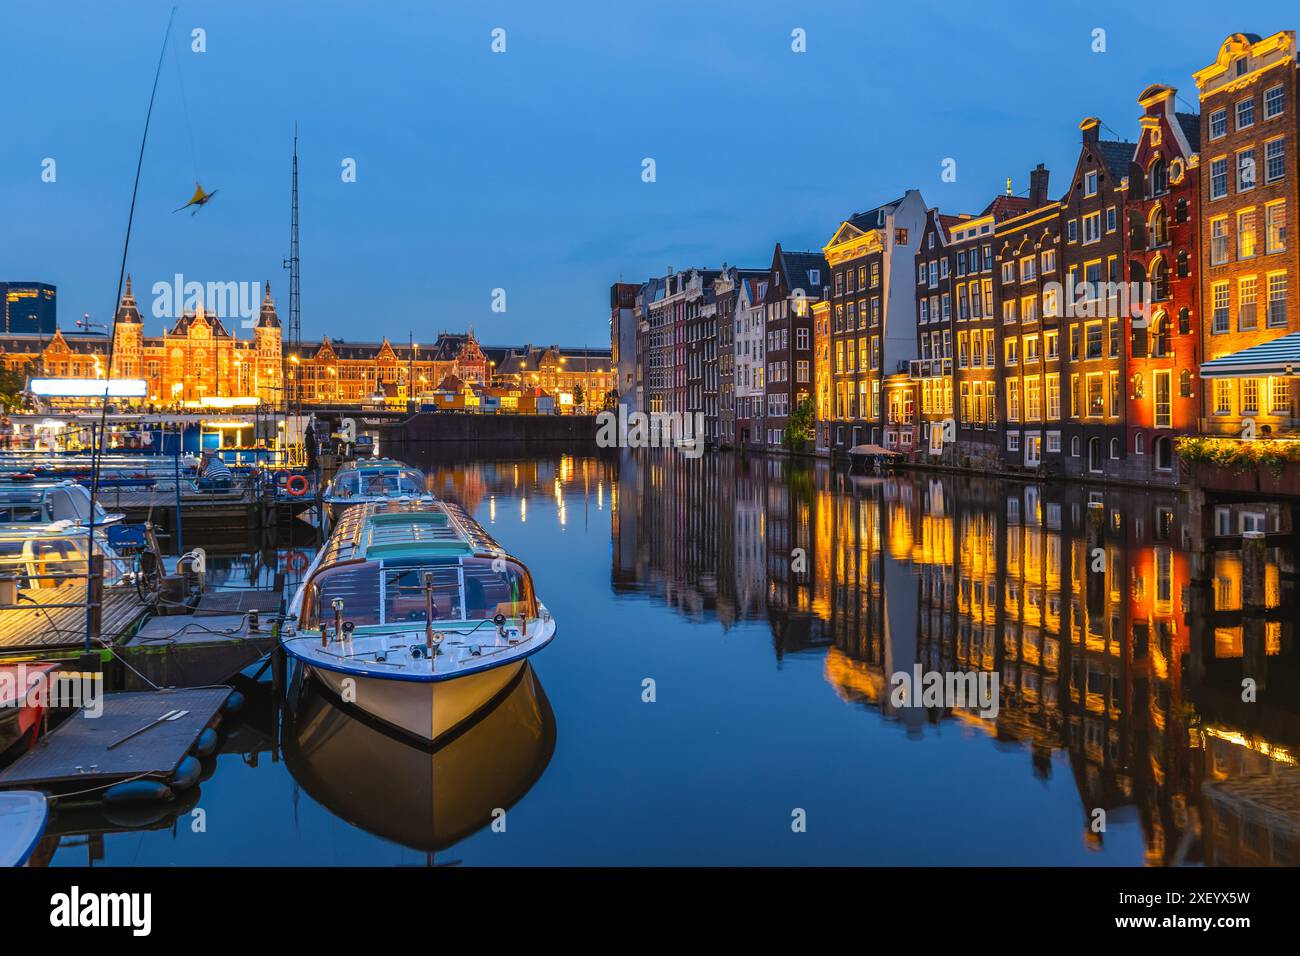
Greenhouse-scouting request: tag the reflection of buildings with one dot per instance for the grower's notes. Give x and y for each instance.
(1081, 601)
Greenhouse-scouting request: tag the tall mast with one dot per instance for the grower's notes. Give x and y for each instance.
(293, 371)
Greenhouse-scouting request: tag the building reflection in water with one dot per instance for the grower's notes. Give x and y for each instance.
(1081, 601)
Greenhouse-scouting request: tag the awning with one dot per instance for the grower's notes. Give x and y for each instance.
(1278, 357)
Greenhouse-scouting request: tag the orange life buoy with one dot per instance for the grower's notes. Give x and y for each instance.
(297, 486)
(297, 560)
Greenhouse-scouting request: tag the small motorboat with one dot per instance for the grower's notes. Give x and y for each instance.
(370, 480)
(24, 690)
(41, 502)
(23, 815)
(872, 458)
(413, 614)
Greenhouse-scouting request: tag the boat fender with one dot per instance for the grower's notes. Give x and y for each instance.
(186, 775)
(234, 703)
(137, 791)
(417, 651)
(206, 744)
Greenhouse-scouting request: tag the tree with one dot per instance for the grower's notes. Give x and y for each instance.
(12, 384)
(579, 395)
(799, 428)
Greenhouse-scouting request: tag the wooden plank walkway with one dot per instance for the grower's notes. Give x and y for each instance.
(118, 499)
(77, 753)
(32, 625)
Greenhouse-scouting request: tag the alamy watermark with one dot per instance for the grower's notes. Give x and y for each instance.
(1099, 300)
(624, 429)
(40, 687)
(225, 300)
(953, 690)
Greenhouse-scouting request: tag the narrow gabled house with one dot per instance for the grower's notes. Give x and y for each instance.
(732, 293)
(1028, 298)
(955, 373)
(751, 369)
(794, 282)
(873, 313)
(1250, 273)
(1093, 253)
(1164, 340)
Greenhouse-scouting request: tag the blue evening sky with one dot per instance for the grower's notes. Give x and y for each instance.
(522, 170)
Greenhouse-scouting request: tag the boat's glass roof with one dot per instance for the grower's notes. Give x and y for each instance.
(398, 527)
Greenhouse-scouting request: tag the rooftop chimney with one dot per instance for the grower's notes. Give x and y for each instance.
(1091, 127)
(1038, 185)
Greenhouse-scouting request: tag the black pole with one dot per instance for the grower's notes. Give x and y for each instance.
(121, 277)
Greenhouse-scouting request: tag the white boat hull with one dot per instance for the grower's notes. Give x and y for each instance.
(426, 709)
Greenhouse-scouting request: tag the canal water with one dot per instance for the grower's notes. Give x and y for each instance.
(721, 689)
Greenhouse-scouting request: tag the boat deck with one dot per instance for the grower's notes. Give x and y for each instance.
(76, 756)
(35, 626)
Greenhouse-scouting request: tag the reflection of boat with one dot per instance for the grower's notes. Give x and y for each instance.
(423, 798)
(872, 457)
(416, 615)
(369, 480)
(22, 821)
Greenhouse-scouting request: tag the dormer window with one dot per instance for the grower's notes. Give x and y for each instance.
(1090, 183)
(815, 277)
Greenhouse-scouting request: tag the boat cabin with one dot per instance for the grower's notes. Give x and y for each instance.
(401, 563)
(36, 556)
(376, 478)
(42, 502)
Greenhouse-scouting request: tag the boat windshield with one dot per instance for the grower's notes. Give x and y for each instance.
(387, 482)
(394, 591)
(49, 562)
(22, 506)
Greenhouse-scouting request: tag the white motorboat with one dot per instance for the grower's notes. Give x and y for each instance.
(369, 480)
(23, 815)
(415, 615)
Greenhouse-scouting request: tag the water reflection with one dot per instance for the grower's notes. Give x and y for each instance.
(1081, 602)
(422, 799)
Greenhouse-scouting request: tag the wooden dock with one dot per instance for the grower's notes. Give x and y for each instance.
(36, 624)
(76, 755)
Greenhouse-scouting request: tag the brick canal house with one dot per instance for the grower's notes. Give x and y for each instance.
(955, 375)
(1248, 192)
(1093, 251)
(1029, 342)
(1163, 354)
(794, 283)
(697, 340)
(872, 259)
(751, 369)
(676, 295)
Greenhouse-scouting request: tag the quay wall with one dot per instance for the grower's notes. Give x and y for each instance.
(472, 427)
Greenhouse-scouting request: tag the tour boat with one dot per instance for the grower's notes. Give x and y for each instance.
(23, 815)
(369, 480)
(413, 614)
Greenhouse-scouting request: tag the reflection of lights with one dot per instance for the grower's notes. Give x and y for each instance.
(600, 495)
(492, 509)
(523, 510)
(1280, 754)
